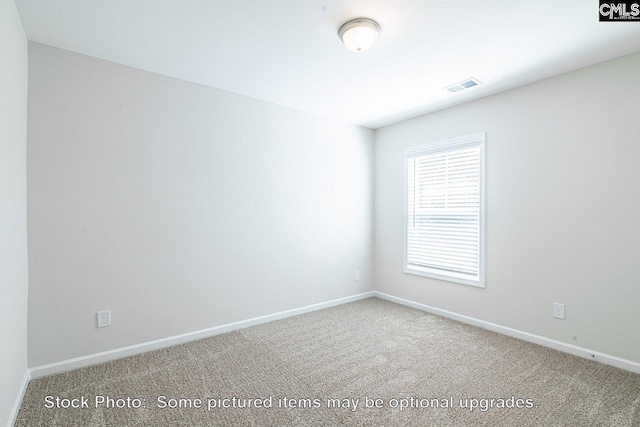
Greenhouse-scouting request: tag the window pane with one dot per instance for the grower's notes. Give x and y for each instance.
(444, 218)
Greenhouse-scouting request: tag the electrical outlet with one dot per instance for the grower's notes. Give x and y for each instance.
(356, 276)
(104, 318)
(558, 310)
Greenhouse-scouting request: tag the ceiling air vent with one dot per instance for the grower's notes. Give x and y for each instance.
(465, 84)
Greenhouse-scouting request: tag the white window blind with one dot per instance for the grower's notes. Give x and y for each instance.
(444, 219)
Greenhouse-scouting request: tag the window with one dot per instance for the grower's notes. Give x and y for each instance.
(444, 210)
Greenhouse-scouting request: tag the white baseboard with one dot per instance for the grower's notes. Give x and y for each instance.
(105, 356)
(16, 405)
(80, 362)
(525, 336)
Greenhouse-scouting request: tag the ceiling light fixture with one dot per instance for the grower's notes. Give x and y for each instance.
(359, 34)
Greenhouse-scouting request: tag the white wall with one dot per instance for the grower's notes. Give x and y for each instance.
(563, 170)
(181, 207)
(13, 206)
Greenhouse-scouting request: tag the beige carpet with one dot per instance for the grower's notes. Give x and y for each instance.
(370, 348)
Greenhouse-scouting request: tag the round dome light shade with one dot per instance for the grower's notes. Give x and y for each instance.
(359, 34)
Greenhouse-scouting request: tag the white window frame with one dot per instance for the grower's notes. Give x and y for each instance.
(440, 146)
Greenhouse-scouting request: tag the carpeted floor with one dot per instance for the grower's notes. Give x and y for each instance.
(420, 370)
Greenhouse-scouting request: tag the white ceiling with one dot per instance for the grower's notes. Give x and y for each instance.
(288, 51)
